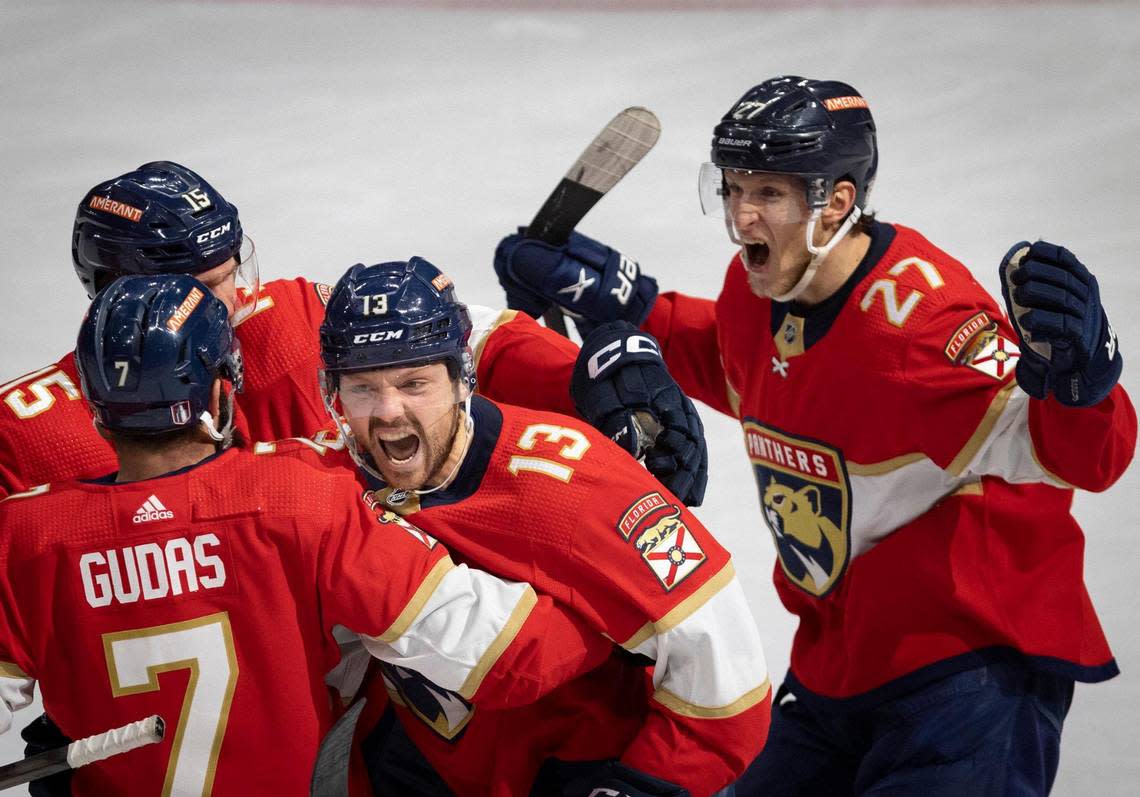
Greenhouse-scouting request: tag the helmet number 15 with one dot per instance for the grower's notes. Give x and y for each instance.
(197, 199)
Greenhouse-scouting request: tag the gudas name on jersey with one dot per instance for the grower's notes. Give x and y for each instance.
(151, 571)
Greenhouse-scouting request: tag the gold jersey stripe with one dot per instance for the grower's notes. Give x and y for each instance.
(1045, 470)
(10, 670)
(886, 466)
(974, 444)
(733, 395)
(746, 701)
(416, 604)
(683, 609)
(510, 630)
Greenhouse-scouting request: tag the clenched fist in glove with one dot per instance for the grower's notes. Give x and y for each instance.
(1068, 348)
(621, 386)
(586, 278)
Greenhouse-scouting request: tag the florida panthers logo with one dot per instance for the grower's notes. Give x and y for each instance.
(805, 498)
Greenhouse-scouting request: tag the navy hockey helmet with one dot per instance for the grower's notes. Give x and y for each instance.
(821, 130)
(161, 218)
(398, 313)
(149, 351)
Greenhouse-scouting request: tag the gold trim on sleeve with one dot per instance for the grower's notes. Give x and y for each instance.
(416, 603)
(10, 670)
(683, 609)
(974, 444)
(738, 706)
(510, 630)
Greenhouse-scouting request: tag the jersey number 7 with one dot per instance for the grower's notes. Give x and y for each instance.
(205, 646)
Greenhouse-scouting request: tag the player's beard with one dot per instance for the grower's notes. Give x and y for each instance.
(419, 457)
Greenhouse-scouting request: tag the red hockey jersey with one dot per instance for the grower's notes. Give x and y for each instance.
(545, 498)
(918, 499)
(45, 425)
(207, 596)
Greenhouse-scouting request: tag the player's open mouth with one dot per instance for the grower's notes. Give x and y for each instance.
(401, 449)
(757, 255)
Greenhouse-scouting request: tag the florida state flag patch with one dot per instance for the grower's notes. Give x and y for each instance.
(994, 355)
(666, 544)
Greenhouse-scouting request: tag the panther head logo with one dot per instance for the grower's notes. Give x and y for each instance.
(797, 520)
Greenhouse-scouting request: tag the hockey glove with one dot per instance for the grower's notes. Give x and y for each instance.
(41, 735)
(1068, 347)
(621, 386)
(586, 278)
(615, 779)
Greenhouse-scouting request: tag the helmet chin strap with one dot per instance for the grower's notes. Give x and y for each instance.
(469, 424)
(818, 253)
(226, 435)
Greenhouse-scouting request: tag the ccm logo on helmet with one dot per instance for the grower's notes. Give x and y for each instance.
(215, 233)
(634, 344)
(378, 337)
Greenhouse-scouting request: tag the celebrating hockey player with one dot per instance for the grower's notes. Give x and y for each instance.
(546, 498)
(163, 218)
(201, 581)
(917, 492)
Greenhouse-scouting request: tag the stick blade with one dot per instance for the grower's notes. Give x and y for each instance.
(617, 149)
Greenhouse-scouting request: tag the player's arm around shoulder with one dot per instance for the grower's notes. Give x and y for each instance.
(489, 640)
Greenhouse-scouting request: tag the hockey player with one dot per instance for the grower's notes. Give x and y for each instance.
(163, 218)
(544, 496)
(917, 492)
(526, 493)
(201, 581)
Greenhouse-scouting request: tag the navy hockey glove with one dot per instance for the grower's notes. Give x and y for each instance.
(615, 779)
(621, 386)
(584, 277)
(1068, 347)
(41, 735)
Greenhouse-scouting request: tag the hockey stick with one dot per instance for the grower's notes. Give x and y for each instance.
(83, 751)
(607, 159)
(330, 770)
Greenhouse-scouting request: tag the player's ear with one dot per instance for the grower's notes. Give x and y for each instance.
(839, 204)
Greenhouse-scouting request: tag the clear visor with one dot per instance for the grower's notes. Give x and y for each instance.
(247, 281)
(774, 197)
(396, 404)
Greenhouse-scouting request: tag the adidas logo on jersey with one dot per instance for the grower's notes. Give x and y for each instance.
(152, 509)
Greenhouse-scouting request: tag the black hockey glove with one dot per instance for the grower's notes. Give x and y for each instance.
(1068, 348)
(586, 278)
(621, 386)
(41, 735)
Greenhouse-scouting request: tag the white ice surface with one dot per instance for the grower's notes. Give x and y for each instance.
(355, 131)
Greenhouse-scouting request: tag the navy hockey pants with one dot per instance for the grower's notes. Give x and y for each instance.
(994, 730)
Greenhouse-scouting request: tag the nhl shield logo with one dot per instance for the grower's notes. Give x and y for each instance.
(180, 413)
(805, 497)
